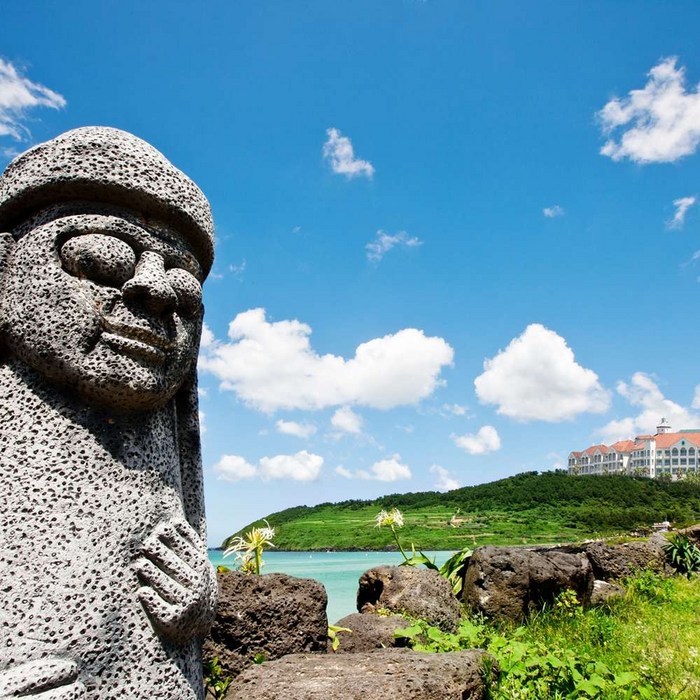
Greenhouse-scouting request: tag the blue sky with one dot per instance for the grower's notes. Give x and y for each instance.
(455, 240)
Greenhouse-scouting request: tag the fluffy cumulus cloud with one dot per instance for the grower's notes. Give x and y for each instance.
(537, 378)
(272, 366)
(302, 466)
(485, 440)
(444, 480)
(300, 430)
(643, 393)
(553, 212)
(384, 242)
(347, 421)
(658, 123)
(339, 152)
(682, 205)
(18, 95)
(390, 469)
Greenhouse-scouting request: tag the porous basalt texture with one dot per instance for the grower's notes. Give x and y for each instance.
(411, 591)
(373, 675)
(369, 631)
(272, 615)
(106, 591)
(109, 166)
(615, 561)
(511, 582)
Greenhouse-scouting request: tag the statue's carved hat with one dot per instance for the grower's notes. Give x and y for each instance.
(110, 166)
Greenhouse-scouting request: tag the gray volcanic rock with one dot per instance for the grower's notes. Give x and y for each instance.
(412, 591)
(604, 591)
(106, 590)
(369, 631)
(376, 675)
(615, 561)
(511, 582)
(272, 615)
(692, 533)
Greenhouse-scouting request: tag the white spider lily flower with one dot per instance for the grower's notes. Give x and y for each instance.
(392, 518)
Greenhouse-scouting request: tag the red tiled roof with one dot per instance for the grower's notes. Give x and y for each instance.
(665, 440)
(623, 445)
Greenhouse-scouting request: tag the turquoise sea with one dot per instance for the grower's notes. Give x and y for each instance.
(337, 571)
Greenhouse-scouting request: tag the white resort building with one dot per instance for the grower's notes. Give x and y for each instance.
(664, 454)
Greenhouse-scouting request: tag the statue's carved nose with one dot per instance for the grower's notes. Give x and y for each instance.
(149, 287)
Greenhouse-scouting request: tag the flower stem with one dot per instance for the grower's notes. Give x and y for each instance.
(398, 544)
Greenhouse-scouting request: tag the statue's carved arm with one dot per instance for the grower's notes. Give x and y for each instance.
(45, 679)
(178, 583)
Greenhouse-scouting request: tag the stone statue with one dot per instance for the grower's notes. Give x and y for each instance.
(105, 586)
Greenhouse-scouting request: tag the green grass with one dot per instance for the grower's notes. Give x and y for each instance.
(528, 508)
(645, 646)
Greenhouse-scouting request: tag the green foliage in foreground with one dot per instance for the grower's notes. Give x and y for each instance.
(529, 508)
(642, 647)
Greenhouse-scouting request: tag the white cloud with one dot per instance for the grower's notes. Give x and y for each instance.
(18, 94)
(234, 468)
(300, 430)
(453, 409)
(202, 423)
(682, 205)
(485, 440)
(347, 421)
(445, 481)
(207, 337)
(661, 121)
(643, 393)
(272, 366)
(238, 270)
(339, 152)
(302, 466)
(537, 378)
(384, 470)
(384, 242)
(554, 211)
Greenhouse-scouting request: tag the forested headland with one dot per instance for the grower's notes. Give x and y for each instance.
(529, 508)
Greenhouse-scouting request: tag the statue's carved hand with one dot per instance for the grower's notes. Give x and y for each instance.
(45, 679)
(178, 583)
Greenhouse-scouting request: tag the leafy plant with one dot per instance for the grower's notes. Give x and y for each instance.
(533, 663)
(683, 555)
(214, 679)
(249, 548)
(333, 634)
(455, 567)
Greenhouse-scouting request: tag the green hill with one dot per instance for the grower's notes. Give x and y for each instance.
(528, 508)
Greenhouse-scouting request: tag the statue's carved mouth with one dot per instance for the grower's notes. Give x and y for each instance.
(137, 341)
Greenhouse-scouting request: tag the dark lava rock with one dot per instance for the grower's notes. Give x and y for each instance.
(272, 615)
(511, 582)
(382, 674)
(603, 591)
(615, 561)
(408, 590)
(369, 631)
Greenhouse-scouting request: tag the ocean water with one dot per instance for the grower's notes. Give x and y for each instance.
(337, 571)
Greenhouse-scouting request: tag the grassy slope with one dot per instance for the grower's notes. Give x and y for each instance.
(528, 508)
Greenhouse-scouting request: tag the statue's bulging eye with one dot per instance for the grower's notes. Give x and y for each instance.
(100, 258)
(187, 288)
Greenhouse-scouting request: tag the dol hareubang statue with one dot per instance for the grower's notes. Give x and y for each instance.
(105, 586)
